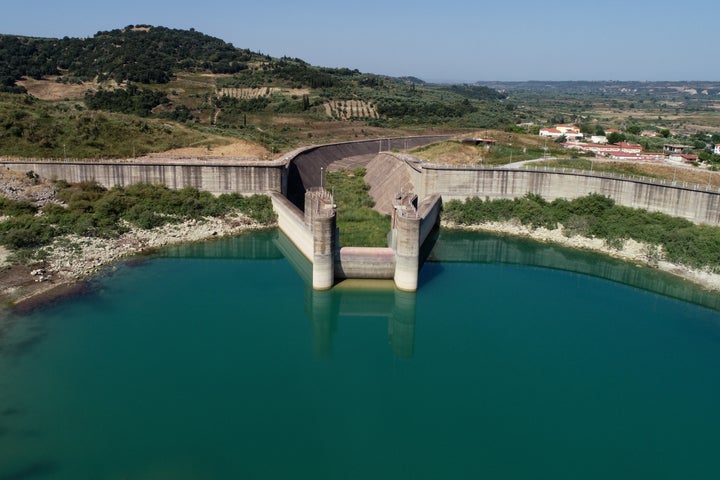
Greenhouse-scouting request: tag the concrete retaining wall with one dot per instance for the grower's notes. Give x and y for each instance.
(292, 222)
(241, 177)
(462, 183)
(388, 174)
(365, 262)
(429, 213)
(305, 165)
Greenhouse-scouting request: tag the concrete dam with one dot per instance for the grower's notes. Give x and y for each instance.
(407, 189)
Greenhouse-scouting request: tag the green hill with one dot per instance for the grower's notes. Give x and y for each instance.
(211, 88)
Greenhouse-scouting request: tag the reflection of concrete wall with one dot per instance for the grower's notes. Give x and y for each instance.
(477, 247)
(325, 308)
(321, 307)
(461, 183)
(401, 324)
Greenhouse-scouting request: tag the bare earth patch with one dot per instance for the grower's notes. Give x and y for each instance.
(241, 148)
(54, 91)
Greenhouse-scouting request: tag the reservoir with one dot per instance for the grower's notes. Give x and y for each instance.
(513, 360)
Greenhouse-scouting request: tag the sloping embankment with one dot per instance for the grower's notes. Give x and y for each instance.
(387, 176)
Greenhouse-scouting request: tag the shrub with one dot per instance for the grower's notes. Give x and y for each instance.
(94, 211)
(598, 216)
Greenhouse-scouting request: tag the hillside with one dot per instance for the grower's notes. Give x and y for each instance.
(160, 88)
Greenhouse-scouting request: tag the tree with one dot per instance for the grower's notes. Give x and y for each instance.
(616, 137)
(634, 129)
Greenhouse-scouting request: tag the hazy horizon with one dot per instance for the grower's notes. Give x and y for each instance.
(460, 42)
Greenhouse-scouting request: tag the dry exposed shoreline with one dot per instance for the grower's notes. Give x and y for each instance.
(71, 259)
(631, 251)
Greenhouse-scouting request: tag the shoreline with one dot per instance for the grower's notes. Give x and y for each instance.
(71, 260)
(631, 251)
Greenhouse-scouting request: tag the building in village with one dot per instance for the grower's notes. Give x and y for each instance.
(568, 130)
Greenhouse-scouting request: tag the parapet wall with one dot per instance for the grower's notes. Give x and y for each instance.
(461, 183)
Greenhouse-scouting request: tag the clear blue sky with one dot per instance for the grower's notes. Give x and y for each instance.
(450, 40)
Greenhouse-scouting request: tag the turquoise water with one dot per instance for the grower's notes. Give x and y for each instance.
(514, 360)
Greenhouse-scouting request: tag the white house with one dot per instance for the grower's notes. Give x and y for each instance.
(716, 151)
(602, 139)
(570, 131)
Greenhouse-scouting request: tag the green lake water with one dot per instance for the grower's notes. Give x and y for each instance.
(514, 360)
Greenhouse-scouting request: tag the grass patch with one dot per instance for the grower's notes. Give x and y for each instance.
(359, 224)
(453, 152)
(38, 129)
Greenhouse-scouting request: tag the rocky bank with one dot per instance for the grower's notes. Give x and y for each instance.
(630, 251)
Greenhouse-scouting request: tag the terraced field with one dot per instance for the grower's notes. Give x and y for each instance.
(248, 93)
(350, 109)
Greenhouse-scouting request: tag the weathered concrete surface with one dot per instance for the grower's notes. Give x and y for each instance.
(365, 262)
(214, 176)
(388, 174)
(429, 213)
(292, 222)
(462, 183)
(324, 252)
(305, 165)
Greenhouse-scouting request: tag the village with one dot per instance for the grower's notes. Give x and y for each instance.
(570, 137)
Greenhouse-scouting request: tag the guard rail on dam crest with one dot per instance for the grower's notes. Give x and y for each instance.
(307, 215)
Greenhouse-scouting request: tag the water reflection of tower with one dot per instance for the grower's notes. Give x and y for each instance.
(373, 298)
(401, 324)
(323, 309)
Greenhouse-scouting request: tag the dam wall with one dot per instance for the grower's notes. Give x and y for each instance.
(292, 222)
(698, 206)
(217, 176)
(365, 262)
(314, 233)
(306, 166)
